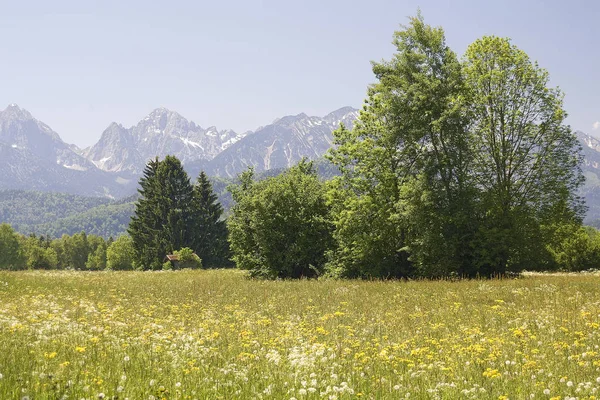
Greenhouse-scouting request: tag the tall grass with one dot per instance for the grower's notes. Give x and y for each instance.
(215, 334)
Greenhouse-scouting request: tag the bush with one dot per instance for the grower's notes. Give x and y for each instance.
(187, 259)
(280, 227)
(575, 248)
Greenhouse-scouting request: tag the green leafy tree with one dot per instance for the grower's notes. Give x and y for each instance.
(120, 254)
(452, 169)
(572, 247)
(280, 227)
(38, 254)
(526, 159)
(209, 230)
(11, 255)
(97, 258)
(405, 167)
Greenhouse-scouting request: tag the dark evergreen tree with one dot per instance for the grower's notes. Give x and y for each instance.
(209, 231)
(175, 198)
(163, 216)
(145, 223)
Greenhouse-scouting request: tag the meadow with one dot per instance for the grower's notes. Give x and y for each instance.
(214, 334)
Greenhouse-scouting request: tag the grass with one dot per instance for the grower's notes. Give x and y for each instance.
(215, 334)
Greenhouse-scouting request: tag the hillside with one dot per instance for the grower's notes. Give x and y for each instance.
(55, 214)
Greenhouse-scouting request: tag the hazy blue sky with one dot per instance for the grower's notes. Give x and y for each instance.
(79, 65)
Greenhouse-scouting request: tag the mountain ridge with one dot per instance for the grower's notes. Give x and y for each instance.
(33, 156)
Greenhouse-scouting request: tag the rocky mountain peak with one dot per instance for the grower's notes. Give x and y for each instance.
(14, 112)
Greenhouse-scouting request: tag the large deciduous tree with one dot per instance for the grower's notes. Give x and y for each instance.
(453, 168)
(526, 161)
(120, 254)
(405, 166)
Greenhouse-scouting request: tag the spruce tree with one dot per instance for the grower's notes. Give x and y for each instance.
(145, 223)
(162, 222)
(210, 232)
(175, 197)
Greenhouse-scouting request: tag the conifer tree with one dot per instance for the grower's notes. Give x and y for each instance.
(163, 219)
(210, 232)
(174, 205)
(145, 224)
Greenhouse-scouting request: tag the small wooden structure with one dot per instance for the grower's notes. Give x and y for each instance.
(175, 262)
(173, 259)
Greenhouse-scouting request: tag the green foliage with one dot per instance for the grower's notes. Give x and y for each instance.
(574, 248)
(145, 224)
(11, 254)
(38, 253)
(120, 254)
(279, 227)
(527, 162)
(404, 166)
(55, 214)
(97, 259)
(453, 169)
(172, 214)
(209, 230)
(186, 258)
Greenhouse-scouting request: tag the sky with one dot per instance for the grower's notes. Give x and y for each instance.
(79, 65)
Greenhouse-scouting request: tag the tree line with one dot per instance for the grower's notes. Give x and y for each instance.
(457, 167)
(79, 251)
(172, 217)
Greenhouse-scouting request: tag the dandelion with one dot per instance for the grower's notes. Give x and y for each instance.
(569, 383)
(546, 392)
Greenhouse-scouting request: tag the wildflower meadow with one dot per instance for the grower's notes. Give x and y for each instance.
(214, 334)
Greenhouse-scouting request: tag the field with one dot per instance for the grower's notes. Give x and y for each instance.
(215, 334)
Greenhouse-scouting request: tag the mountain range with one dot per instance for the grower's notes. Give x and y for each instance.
(34, 157)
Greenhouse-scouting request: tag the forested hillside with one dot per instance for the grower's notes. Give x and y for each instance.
(55, 214)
